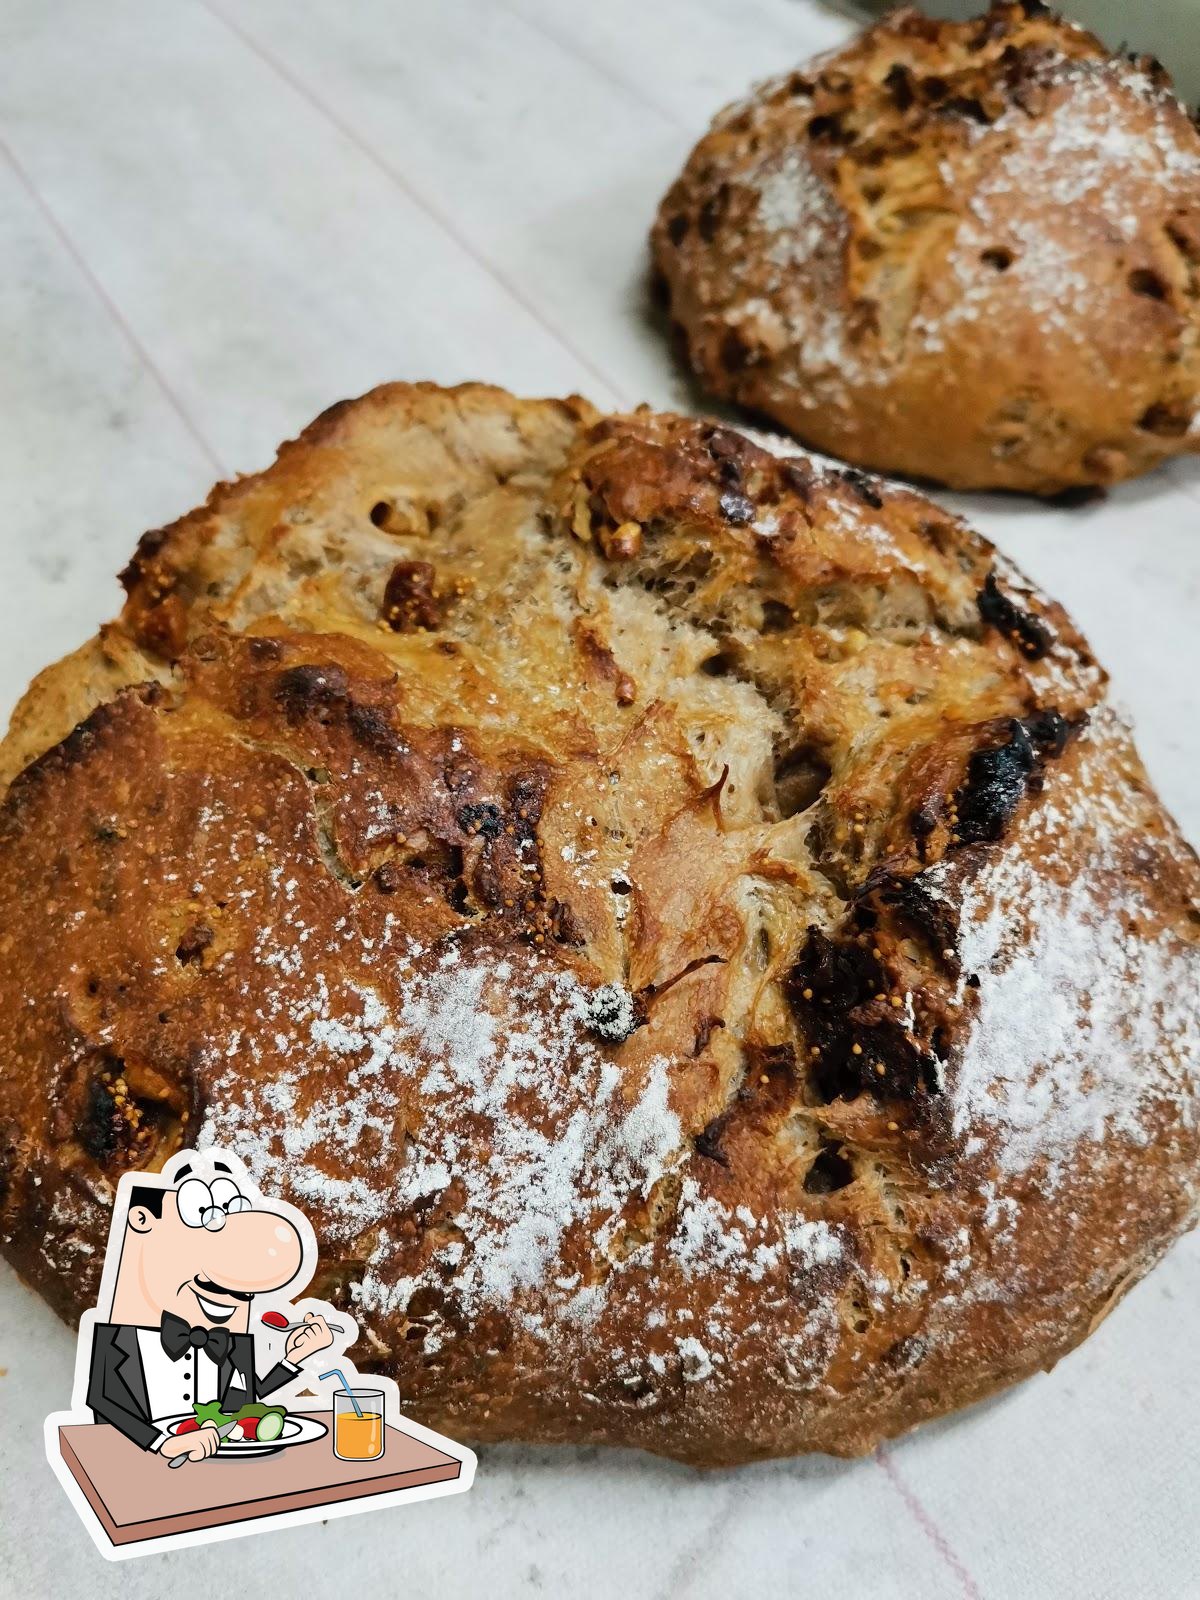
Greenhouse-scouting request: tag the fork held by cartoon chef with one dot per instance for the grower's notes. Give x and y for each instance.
(192, 1259)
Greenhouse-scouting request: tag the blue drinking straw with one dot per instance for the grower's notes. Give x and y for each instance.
(336, 1372)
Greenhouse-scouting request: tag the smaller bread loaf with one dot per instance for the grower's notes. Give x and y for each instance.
(966, 252)
(681, 920)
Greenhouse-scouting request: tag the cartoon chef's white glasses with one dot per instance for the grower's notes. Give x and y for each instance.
(203, 1205)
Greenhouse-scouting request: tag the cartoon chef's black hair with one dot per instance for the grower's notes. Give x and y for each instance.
(151, 1198)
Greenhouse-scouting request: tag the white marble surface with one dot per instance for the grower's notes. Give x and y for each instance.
(216, 217)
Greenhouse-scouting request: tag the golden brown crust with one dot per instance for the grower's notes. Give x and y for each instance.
(967, 252)
(681, 920)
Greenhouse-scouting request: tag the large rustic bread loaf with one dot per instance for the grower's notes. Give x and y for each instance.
(966, 251)
(681, 920)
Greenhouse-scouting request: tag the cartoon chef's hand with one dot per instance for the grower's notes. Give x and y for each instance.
(198, 1443)
(306, 1340)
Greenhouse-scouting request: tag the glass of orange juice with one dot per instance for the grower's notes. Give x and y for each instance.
(358, 1437)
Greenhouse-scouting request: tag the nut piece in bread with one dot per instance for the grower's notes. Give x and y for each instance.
(964, 251)
(681, 920)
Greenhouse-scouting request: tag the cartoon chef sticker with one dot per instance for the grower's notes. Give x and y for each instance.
(193, 1357)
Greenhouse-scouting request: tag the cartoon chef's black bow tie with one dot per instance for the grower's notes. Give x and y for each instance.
(177, 1338)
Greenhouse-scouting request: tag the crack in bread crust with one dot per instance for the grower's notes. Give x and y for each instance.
(683, 969)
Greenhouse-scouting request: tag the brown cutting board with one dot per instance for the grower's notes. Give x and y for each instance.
(137, 1496)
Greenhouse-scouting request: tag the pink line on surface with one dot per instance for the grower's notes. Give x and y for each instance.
(110, 305)
(395, 176)
(928, 1526)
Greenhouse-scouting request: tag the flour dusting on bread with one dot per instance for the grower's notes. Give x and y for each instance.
(1072, 1000)
(565, 1148)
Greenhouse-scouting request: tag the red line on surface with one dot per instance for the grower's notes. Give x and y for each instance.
(395, 176)
(928, 1526)
(110, 305)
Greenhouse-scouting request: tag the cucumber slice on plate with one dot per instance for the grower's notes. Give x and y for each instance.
(270, 1426)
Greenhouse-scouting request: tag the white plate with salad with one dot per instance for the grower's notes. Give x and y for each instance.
(257, 1431)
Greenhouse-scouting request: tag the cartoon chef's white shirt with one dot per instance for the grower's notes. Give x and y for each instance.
(174, 1386)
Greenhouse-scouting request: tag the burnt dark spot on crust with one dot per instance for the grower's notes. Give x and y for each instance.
(372, 729)
(677, 227)
(142, 561)
(899, 84)
(1050, 731)
(863, 488)
(310, 691)
(708, 1140)
(1028, 632)
(997, 778)
(77, 748)
(117, 1126)
(100, 1127)
(482, 817)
